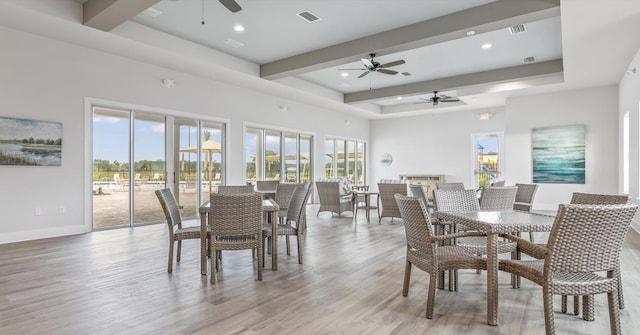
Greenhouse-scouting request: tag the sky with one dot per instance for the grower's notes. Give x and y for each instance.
(12, 128)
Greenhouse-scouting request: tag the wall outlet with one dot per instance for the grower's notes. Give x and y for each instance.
(38, 211)
(61, 209)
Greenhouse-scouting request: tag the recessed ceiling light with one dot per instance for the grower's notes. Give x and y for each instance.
(398, 98)
(238, 28)
(471, 32)
(344, 74)
(487, 46)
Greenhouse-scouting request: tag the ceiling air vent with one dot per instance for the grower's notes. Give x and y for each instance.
(308, 16)
(152, 12)
(528, 59)
(517, 29)
(233, 43)
(406, 74)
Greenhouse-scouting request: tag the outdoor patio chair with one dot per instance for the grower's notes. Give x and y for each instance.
(450, 186)
(425, 250)
(524, 200)
(332, 199)
(498, 198)
(236, 224)
(234, 189)
(387, 200)
(585, 241)
(177, 232)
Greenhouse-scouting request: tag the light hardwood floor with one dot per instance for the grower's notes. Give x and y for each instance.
(116, 282)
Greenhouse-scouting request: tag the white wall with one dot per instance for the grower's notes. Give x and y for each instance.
(629, 96)
(441, 144)
(45, 79)
(596, 108)
(430, 144)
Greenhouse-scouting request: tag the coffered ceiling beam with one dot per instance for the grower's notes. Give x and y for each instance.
(444, 84)
(489, 17)
(108, 14)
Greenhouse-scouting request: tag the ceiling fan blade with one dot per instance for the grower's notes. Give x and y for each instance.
(352, 69)
(364, 74)
(391, 72)
(449, 99)
(367, 63)
(390, 64)
(231, 5)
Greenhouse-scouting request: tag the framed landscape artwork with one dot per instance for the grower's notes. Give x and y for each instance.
(558, 155)
(30, 142)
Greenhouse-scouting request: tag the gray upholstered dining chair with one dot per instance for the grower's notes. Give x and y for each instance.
(387, 201)
(425, 250)
(585, 241)
(177, 232)
(236, 224)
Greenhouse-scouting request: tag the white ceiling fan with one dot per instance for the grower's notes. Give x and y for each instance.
(436, 99)
(370, 65)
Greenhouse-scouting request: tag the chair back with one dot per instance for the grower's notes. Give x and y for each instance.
(418, 192)
(598, 199)
(297, 202)
(498, 183)
(450, 186)
(235, 189)
(588, 238)
(328, 191)
(284, 193)
(267, 185)
(387, 192)
(235, 214)
(498, 198)
(170, 208)
(455, 200)
(525, 195)
(417, 223)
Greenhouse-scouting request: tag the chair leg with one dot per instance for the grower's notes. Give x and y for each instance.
(547, 297)
(260, 261)
(576, 305)
(614, 312)
(170, 266)
(431, 295)
(179, 251)
(288, 245)
(299, 249)
(441, 279)
(531, 238)
(588, 308)
(407, 278)
(620, 295)
(564, 303)
(214, 265)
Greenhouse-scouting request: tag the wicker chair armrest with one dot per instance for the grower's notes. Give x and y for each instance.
(524, 204)
(438, 238)
(528, 248)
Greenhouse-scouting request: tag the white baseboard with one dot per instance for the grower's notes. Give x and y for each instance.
(41, 233)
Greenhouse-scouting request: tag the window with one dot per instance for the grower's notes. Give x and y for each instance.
(284, 156)
(345, 158)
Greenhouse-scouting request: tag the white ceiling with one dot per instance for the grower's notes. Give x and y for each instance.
(590, 44)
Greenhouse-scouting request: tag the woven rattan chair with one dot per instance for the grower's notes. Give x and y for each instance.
(450, 186)
(331, 200)
(424, 249)
(283, 196)
(177, 232)
(466, 200)
(595, 199)
(236, 224)
(418, 192)
(387, 200)
(269, 186)
(295, 218)
(498, 198)
(585, 241)
(524, 200)
(235, 189)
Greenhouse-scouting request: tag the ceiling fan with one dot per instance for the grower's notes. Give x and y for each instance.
(231, 5)
(372, 66)
(436, 99)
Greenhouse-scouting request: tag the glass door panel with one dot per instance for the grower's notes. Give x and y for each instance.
(359, 177)
(186, 171)
(253, 156)
(291, 158)
(488, 148)
(149, 163)
(272, 155)
(329, 158)
(340, 159)
(211, 159)
(110, 168)
(351, 161)
(305, 158)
